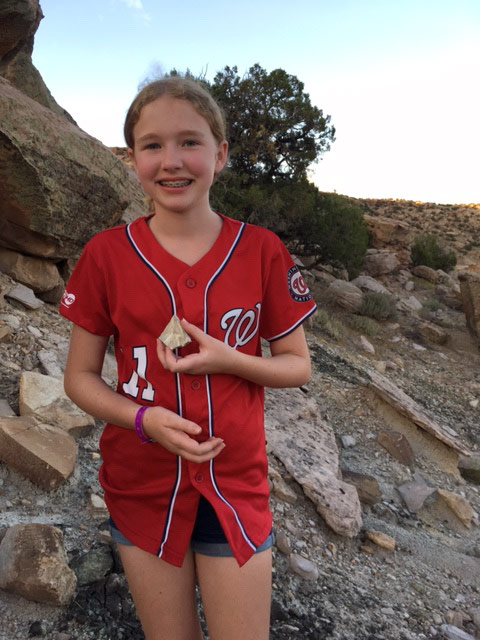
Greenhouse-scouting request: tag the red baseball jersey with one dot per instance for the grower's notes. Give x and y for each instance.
(245, 288)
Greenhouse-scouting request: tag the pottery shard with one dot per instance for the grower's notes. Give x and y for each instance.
(33, 564)
(37, 273)
(346, 295)
(470, 291)
(458, 505)
(43, 397)
(397, 446)
(381, 539)
(174, 336)
(45, 455)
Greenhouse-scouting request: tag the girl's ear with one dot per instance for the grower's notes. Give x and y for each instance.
(131, 156)
(222, 155)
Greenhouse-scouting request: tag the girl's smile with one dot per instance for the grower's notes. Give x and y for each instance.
(176, 156)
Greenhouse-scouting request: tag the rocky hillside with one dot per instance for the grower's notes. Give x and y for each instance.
(375, 497)
(374, 465)
(457, 225)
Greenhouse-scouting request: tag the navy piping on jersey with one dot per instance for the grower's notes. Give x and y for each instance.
(297, 324)
(211, 426)
(173, 495)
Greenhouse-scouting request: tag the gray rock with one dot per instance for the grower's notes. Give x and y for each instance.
(44, 398)
(454, 633)
(303, 567)
(306, 446)
(6, 410)
(50, 364)
(346, 295)
(25, 296)
(93, 566)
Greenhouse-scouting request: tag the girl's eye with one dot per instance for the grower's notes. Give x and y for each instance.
(190, 143)
(152, 145)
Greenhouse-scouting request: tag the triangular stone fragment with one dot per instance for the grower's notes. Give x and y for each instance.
(174, 336)
(415, 492)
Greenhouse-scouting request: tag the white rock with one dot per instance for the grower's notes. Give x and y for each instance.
(303, 567)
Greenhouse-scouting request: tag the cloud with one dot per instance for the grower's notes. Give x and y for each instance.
(133, 4)
(138, 6)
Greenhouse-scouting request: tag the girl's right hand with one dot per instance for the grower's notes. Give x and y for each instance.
(173, 432)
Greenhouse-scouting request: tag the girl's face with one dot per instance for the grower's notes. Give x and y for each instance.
(176, 156)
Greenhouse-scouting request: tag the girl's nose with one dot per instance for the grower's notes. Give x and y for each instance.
(171, 157)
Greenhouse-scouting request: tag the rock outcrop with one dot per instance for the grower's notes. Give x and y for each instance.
(20, 20)
(470, 291)
(58, 185)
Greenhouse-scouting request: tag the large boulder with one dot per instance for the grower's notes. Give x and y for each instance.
(346, 295)
(470, 290)
(33, 564)
(380, 262)
(20, 20)
(386, 231)
(58, 185)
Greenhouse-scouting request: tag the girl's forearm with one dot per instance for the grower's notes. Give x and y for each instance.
(93, 395)
(281, 370)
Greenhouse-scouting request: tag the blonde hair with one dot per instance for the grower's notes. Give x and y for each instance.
(182, 89)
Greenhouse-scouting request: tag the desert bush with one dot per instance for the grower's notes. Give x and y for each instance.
(330, 325)
(363, 324)
(380, 306)
(427, 251)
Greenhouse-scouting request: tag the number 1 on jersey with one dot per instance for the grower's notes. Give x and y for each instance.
(131, 387)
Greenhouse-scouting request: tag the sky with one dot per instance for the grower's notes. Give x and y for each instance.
(399, 78)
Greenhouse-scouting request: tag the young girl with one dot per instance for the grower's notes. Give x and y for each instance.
(184, 463)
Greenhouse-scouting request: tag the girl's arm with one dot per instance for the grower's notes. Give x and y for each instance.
(289, 365)
(84, 385)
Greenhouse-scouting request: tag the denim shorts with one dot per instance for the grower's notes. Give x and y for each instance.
(208, 538)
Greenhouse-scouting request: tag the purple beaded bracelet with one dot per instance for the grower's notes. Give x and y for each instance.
(139, 425)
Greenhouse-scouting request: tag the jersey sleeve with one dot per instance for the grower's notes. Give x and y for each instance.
(85, 300)
(287, 301)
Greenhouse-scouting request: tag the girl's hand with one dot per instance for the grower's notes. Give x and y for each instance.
(173, 433)
(214, 356)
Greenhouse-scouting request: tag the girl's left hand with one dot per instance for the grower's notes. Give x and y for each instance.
(214, 356)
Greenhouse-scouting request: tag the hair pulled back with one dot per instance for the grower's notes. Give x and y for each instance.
(181, 89)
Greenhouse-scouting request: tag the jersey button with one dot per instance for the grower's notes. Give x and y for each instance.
(191, 283)
(199, 477)
(196, 384)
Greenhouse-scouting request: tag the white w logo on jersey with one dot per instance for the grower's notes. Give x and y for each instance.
(240, 325)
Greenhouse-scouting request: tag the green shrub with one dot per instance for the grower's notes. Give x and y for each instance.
(330, 325)
(380, 306)
(362, 324)
(324, 225)
(335, 232)
(427, 251)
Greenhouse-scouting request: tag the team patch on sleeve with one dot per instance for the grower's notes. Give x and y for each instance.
(297, 286)
(68, 299)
